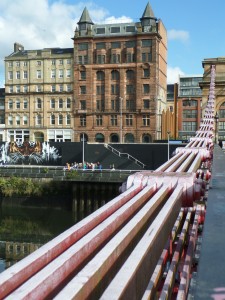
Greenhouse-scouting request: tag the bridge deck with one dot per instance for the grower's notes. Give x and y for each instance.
(210, 283)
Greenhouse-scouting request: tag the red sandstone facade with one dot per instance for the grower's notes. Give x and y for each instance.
(120, 80)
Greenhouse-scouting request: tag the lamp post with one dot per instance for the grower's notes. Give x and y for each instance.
(168, 137)
(216, 117)
(121, 120)
(83, 149)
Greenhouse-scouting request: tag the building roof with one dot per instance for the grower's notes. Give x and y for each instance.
(52, 51)
(85, 17)
(148, 12)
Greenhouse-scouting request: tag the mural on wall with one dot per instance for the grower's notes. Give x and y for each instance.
(34, 153)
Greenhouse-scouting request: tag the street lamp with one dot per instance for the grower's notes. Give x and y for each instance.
(168, 137)
(216, 117)
(83, 149)
(121, 120)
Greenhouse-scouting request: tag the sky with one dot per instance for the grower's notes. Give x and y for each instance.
(195, 28)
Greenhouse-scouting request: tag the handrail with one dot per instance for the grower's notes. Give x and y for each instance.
(120, 154)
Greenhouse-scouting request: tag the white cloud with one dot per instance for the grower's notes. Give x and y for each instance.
(42, 24)
(173, 74)
(179, 35)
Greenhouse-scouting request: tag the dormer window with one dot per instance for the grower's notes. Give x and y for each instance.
(115, 29)
(100, 30)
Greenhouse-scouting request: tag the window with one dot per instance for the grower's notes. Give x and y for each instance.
(38, 119)
(100, 105)
(98, 120)
(52, 119)
(68, 61)
(61, 62)
(38, 88)
(17, 74)
(83, 46)
(17, 63)
(82, 59)
(10, 64)
(115, 58)
(17, 89)
(60, 103)
(130, 104)
(60, 73)
(115, 75)
(53, 62)
(130, 57)
(68, 119)
(189, 126)
(146, 73)
(100, 30)
(38, 63)
(100, 89)
(17, 120)
(82, 104)
(53, 88)
(146, 43)
(130, 44)
(101, 45)
(68, 87)
(25, 120)
(146, 103)
(61, 87)
(115, 30)
(10, 120)
(100, 75)
(25, 104)
(83, 121)
(68, 103)
(10, 104)
(52, 103)
(189, 114)
(60, 119)
(189, 102)
(113, 120)
(130, 28)
(25, 63)
(38, 74)
(52, 73)
(130, 89)
(17, 104)
(130, 74)
(146, 120)
(25, 74)
(115, 104)
(68, 73)
(114, 89)
(146, 57)
(10, 75)
(100, 59)
(25, 88)
(129, 120)
(146, 89)
(83, 89)
(10, 89)
(83, 75)
(39, 104)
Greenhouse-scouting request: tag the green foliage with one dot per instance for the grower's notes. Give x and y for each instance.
(72, 174)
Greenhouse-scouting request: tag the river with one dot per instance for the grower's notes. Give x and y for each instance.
(26, 227)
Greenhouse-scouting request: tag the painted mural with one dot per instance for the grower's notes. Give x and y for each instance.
(28, 152)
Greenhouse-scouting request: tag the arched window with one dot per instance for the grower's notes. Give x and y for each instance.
(68, 119)
(17, 120)
(114, 138)
(115, 75)
(52, 119)
(146, 138)
(100, 75)
(130, 74)
(129, 138)
(99, 138)
(60, 119)
(25, 120)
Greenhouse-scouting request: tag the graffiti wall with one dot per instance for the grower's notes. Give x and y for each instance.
(28, 152)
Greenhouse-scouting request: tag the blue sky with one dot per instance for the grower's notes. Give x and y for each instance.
(195, 27)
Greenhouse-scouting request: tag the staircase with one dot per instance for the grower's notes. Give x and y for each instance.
(126, 155)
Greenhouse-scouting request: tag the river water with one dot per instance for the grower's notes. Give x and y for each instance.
(24, 228)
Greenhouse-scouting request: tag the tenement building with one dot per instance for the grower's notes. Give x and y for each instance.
(39, 95)
(120, 79)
